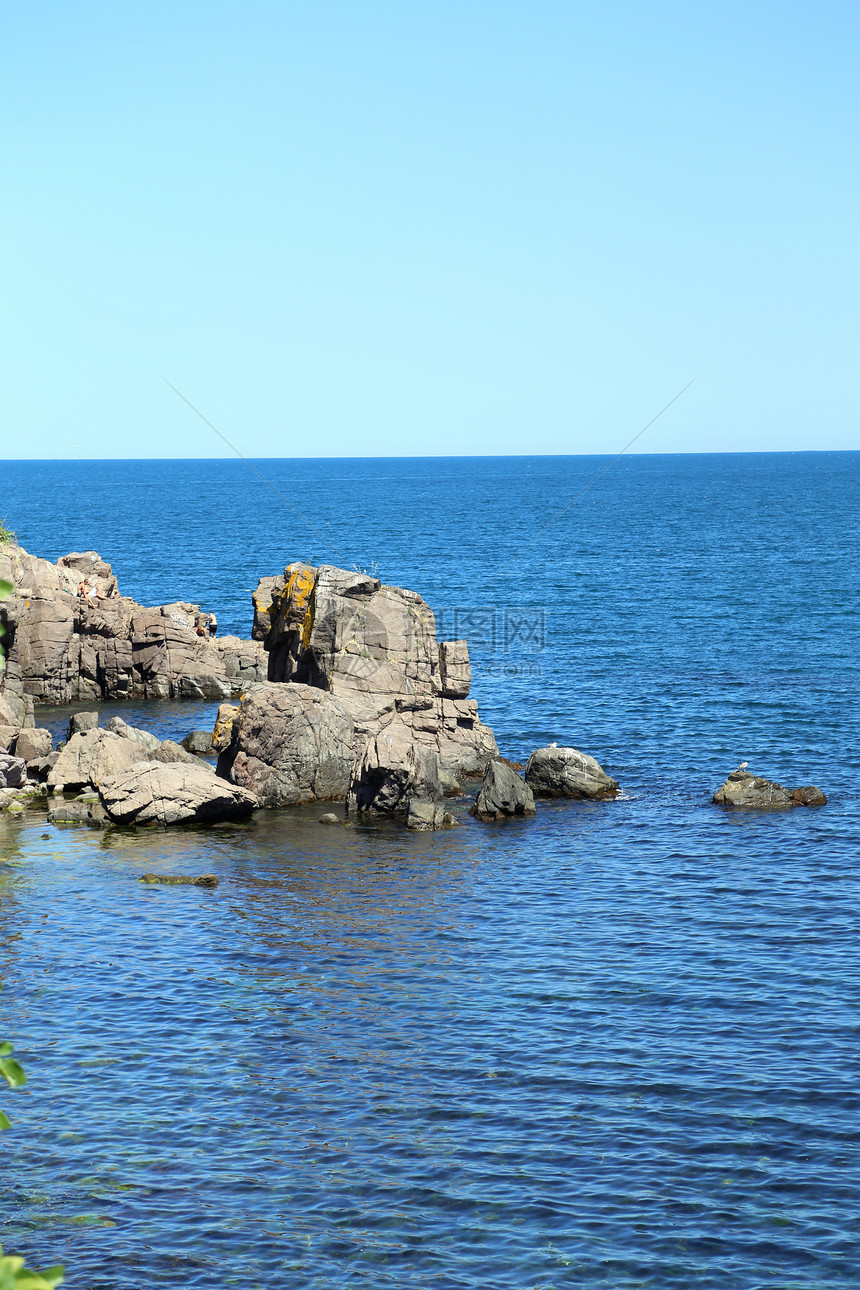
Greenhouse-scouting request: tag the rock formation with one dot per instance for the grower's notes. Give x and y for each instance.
(180, 793)
(566, 772)
(394, 774)
(291, 744)
(743, 788)
(64, 647)
(372, 648)
(502, 794)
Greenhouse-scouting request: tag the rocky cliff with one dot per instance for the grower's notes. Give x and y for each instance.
(64, 647)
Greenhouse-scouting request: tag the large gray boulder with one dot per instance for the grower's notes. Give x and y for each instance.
(290, 744)
(64, 647)
(32, 745)
(79, 721)
(179, 793)
(91, 756)
(13, 771)
(502, 794)
(745, 789)
(392, 772)
(374, 649)
(566, 772)
(169, 751)
(147, 741)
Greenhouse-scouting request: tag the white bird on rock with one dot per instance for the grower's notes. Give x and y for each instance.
(743, 765)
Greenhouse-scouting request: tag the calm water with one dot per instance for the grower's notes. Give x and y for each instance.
(616, 1046)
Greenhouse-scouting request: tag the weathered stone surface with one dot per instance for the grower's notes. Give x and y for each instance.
(13, 771)
(391, 771)
(808, 795)
(169, 752)
(147, 741)
(94, 755)
(79, 721)
(78, 812)
(222, 734)
(374, 648)
(566, 772)
(743, 788)
(33, 744)
(39, 768)
(64, 647)
(424, 815)
(291, 744)
(153, 793)
(198, 742)
(502, 794)
(330, 818)
(8, 718)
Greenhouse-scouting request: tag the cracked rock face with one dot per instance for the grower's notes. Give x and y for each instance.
(64, 646)
(290, 744)
(374, 649)
(174, 793)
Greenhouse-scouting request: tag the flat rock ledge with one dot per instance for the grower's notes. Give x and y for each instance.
(567, 772)
(744, 788)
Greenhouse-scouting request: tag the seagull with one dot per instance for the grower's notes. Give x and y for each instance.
(554, 744)
(743, 765)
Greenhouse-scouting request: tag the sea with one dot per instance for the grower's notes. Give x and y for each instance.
(615, 1045)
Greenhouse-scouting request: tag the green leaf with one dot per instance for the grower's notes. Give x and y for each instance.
(12, 1072)
(5, 1122)
(5, 1049)
(6, 588)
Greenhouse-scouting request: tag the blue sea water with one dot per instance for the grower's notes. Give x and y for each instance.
(614, 1046)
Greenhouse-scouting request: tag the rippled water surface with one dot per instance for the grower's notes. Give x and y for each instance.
(615, 1046)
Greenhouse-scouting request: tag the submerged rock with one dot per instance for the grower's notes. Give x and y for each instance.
(330, 818)
(502, 794)
(180, 793)
(566, 772)
(743, 788)
(180, 880)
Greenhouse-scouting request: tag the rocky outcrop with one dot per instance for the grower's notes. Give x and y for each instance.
(743, 788)
(566, 772)
(374, 649)
(63, 647)
(91, 756)
(290, 744)
(502, 794)
(198, 742)
(222, 734)
(181, 793)
(117, 726)
(393, 772)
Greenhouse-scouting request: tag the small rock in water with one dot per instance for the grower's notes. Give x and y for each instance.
(198, 742)
(180, 880)
(329, 818)
(743, 788)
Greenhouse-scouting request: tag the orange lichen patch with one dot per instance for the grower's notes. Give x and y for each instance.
(300, 599)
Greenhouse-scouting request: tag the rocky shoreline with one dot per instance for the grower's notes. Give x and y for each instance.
(344, 695)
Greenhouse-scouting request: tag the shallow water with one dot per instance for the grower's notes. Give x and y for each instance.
(614, 1046)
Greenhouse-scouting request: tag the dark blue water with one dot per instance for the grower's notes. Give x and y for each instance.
(616, 1046)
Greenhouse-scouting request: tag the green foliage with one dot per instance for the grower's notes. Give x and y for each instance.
(15, 1276)
(7, 537)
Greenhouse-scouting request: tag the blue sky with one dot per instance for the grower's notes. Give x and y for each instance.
(347, 229)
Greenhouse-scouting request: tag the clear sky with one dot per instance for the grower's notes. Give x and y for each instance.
(396, 227)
